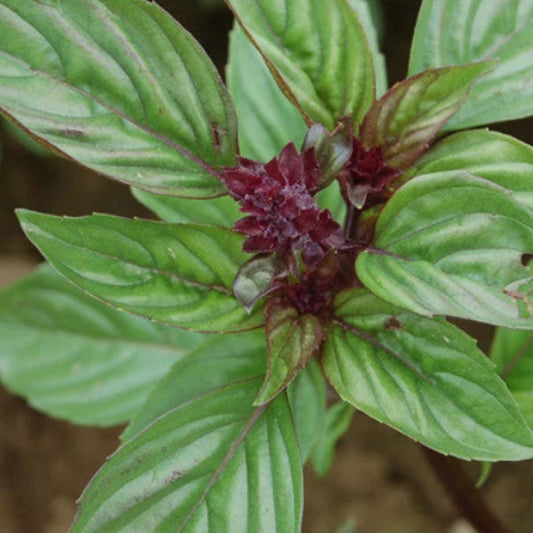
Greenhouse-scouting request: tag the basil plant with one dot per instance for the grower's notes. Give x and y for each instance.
(318, 230)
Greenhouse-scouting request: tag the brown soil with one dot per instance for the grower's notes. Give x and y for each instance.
(380, 478)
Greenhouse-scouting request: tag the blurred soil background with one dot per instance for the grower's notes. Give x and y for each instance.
(380, 478)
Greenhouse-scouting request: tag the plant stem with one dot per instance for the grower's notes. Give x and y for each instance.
(463, 493)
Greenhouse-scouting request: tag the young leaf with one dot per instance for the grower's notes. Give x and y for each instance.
(457, 32)
(120, 87)
(488, 154)
(267, 120)
(307, 397)
(337, 421)
(179, 275)
(218, 362)
(371, 17)
(451, 243)
(223, 211)
(424, 377)
(216, 463)
(78, 359)
(317, 52)
(292, 339)
(407, 118)
(512, 352)
(254, 280)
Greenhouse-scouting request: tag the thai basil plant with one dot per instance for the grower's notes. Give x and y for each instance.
(317, 229)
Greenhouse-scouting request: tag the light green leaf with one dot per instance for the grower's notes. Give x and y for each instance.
(512, 352)
(78, 359)
(221, 361)
(371, 17)
(488, 154)
(451, 243)
(120, 87)
(292, 339)
(337, 421)
(175, 274)
(331, 198)
(307, 396)
(407, 118)
(318, 53)
(223, 211)
(424, 377)
(267, 120)
(216, 463)
(457, 32)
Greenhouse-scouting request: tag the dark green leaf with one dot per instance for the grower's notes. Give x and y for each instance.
(424, 377)
(215, 464)
(120, 87)
(292, 339)
(307, 396)
(78, 359)
(267, 120)
(176, 274)
(512, 351)
(221, 361)
(488, 154)
(337, 421)
(223, 211)
(451, 243)
(318, 53)
(407, 118)
(457, 32)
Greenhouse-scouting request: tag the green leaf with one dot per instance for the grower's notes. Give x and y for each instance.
(488, 154)
(175, 274)
(25, 140)
(331, 198)
(337, 421)
(451, 243)
(307, 396)
(371, 17)
(407, 118)
(457, 32)
(221, 361)
(78, 359)
(512, 352)
(267, 120)
(317, 52)
(292, 339)
(424, 377)
(120, 87)
(486, 469)
(223, 211)
(215, 464)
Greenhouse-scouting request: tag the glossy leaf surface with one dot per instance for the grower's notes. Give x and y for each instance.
(318, 53)
(78, 359)
(512, 352)
(119, 86)
(407, 118)
(215, 460)
(267, 120)
(452, 244)
(307, 396)
(488, 154)
(223, 211)
(424, 377)
(176, 274)
(456, 32)
(292, 339)
(336, 423)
